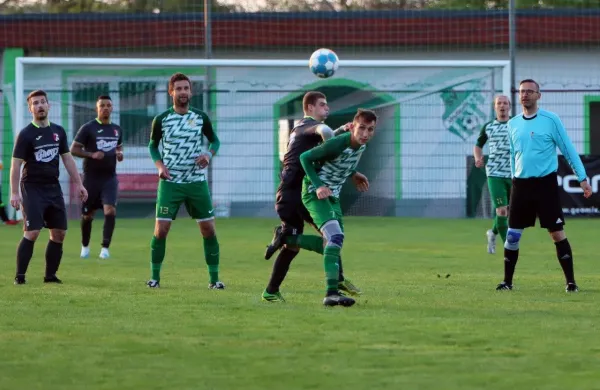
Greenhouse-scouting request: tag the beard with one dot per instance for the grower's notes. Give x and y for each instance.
(182, 101)
(40, 116)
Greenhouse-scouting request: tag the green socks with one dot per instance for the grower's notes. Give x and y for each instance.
(502, 224)
(157, 250)
(211, 254)
(331, 258)
(308, 242)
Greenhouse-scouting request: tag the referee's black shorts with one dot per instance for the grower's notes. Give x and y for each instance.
(536, 197)
(43, 206)
(291, 211)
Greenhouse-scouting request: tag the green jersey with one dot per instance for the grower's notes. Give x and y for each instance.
(182, 140)
(330, 164)
(496, 133)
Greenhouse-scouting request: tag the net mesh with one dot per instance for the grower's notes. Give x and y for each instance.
(254, 109)
(550, 40)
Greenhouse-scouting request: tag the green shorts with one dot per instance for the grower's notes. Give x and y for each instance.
(323, 210)
(195, 196)
(499, 190)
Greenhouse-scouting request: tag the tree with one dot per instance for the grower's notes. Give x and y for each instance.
(132, 6)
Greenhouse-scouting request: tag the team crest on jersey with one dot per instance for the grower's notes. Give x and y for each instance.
(55, 137)
(116, 133)
(191, 122)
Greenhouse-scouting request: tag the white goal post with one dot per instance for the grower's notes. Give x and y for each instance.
(20, 63)
(429, 112)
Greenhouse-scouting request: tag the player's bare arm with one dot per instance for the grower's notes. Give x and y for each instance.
(15, 178)
(78, 150)
(71, 168)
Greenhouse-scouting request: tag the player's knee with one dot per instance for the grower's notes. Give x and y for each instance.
(32, 235)
(110, 210)
(336, 240)
(293, 248)
(161, 229)
(332, 233)
(57, 235)
(87, 217)
(502, 211)
(207, 228)
(513, 237)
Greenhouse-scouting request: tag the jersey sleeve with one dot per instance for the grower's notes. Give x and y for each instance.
(324, 152)
(63, 145)
(511, 148)
(82, 135)
(22, 146)
(155, 137)
(324, 131)
(210, 134)
(482, 138)
(566, 147)
(120, 140)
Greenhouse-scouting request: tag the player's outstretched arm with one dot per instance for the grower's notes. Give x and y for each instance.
(324, 152)
(342, 129)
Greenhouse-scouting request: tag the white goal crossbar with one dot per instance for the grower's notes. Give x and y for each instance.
(20, 63)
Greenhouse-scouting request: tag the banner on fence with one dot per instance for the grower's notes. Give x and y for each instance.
(571, 194)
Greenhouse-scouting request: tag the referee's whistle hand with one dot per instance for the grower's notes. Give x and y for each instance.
(587, 189)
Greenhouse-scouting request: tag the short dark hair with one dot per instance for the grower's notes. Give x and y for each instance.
(36, 93)
(178, 77)
(310, 98)
(530, 81)
(366, 115)
(103, 97)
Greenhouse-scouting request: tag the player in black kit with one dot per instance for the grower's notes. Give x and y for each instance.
(100, 143)
(307, 134)
(37, 148)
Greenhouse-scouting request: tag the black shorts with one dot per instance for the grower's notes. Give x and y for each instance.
(536, 197)
(101, 191)
(291, 211)
(43, 206)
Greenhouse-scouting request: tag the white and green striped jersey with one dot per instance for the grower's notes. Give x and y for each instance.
(182, 140)
(496, 134)
(330, 164)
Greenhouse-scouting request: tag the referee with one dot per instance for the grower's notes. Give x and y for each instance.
(534, 136)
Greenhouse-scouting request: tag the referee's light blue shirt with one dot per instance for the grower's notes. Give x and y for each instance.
(533, 143)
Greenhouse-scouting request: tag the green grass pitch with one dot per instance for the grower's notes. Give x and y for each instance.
(103, 329)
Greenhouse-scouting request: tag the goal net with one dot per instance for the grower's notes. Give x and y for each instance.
(430, 113)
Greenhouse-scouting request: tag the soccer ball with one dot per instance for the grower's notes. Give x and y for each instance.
(323, 63)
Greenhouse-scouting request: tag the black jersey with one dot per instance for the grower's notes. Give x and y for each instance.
(40, 149)
(303, 137)
(98, 137)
